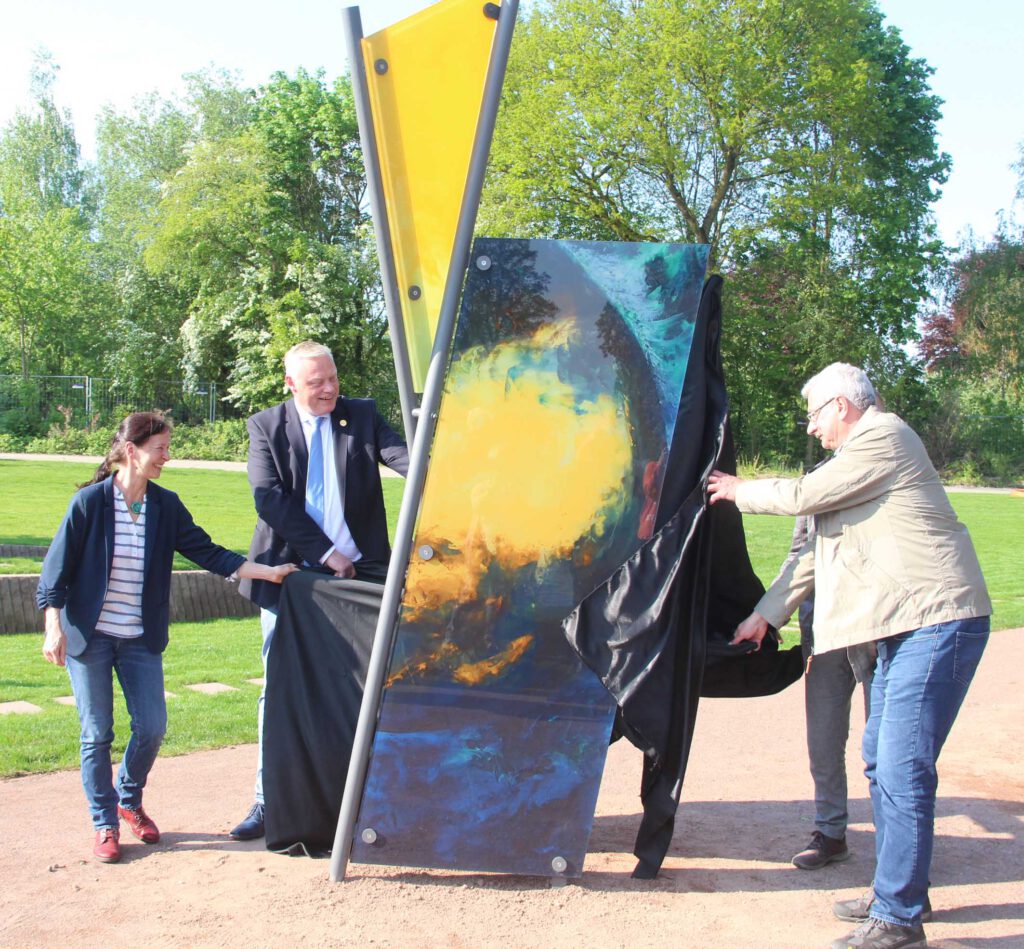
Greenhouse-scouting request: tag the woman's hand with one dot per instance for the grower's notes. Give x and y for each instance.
(277, 574)
(55, 644)
(260, 571)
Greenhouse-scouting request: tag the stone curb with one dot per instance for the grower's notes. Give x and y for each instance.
(195, 595)
(22, 550)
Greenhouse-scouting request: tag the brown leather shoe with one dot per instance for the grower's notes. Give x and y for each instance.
(822, 851)
(106, 849)
(140, 824)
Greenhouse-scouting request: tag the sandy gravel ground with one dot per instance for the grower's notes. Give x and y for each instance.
(727, 880)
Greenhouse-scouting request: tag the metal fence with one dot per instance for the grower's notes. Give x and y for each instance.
(44, 397)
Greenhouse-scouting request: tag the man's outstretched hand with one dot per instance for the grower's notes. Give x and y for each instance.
(722, 486)
(752, 629)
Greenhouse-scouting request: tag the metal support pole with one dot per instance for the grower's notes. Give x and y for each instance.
(386, 623)
(353, 29)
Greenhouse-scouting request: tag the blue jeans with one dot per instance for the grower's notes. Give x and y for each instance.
(141, 674)
(268, 623)
(920, 682)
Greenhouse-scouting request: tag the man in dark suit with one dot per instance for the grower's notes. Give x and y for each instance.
(314, 471)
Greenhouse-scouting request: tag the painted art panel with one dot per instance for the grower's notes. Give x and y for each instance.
(545, 475)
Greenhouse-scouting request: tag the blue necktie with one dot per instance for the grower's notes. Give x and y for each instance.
(315, 474)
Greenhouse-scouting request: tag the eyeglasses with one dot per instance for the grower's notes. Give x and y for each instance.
(812, 417)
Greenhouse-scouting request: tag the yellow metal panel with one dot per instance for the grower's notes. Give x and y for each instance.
(426, 77)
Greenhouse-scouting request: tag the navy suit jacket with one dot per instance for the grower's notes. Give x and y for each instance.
(77, 565)
(278, 459)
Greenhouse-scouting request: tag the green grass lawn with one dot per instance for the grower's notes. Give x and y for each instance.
(992, 519)
(225, 651)
(12, 565)
(36, 494)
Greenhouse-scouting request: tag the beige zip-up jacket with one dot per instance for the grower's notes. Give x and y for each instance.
(889, 554)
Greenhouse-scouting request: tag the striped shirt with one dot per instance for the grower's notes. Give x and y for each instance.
(121, 613)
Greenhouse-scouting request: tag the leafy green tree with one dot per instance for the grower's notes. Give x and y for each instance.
(136, 152)
(51, 297)
(40, 167)
(139, 152)
(985, 317)
(53, 293)
(795, 137)
(264, 233)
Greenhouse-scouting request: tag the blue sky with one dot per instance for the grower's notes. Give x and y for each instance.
(111, 51)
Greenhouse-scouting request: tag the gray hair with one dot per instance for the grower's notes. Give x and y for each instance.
(307, 349)
(841, 378)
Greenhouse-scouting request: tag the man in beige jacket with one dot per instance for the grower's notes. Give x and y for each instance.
(891, 564)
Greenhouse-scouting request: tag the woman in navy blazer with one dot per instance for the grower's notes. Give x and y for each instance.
(105, 588)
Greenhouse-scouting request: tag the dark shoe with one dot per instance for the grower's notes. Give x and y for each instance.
(252, 827)
(140, 824)
(876, 934)
(822, 851)
(107, 849)
(858, 910)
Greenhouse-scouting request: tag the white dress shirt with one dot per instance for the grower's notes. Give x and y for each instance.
(335, 526)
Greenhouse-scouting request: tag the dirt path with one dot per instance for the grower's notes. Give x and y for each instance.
(727, 880)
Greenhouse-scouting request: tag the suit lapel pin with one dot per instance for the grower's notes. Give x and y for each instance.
(343, 422)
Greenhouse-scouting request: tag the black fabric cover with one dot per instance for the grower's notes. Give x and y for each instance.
(657, 631)
(316, 672)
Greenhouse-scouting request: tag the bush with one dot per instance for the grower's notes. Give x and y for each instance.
(72, 441)
(20, 424)
(224, 440)
(964, 471)
(770, 466)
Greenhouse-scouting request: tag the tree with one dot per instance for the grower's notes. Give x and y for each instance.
(264, 233)
(139, 152)
(795, 137)
(40, 168)
(53, 294)
(984, 316)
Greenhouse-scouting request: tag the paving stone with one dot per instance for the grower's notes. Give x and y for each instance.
(18, 708)
(260, 681)
(65, 700)
(211, 688)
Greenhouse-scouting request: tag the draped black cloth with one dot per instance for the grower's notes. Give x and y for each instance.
(657, 631)
(316, 672)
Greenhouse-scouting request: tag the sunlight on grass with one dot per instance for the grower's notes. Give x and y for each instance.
(228, 651)
(36, 495)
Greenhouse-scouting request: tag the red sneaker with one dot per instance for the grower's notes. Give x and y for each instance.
(107, 849)
(140, 824)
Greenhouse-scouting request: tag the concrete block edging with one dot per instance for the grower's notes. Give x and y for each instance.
(195, 595)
